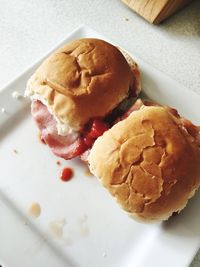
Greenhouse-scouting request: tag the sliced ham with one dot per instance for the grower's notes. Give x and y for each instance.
(73, 144)
(68, 146)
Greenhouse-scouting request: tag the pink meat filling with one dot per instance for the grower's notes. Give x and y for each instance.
(63, 146)
(73, 144)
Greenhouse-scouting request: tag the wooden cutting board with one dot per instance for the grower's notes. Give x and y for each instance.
(156, 11)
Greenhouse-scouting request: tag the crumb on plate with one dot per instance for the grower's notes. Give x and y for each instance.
(3, 110)
(15, 151)
(104, 255)
(125, 19)
(16, 95)
(56, 227)
(34, 210)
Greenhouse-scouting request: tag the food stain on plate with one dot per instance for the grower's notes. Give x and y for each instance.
(68, 232)
(66, 174)
(83, 227)
(56, 227)
(34, 210)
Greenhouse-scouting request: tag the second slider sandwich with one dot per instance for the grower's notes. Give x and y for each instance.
(78, 91)
(149, 161)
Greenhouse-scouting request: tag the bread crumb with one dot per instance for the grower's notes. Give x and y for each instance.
(16, 95)
(15, 151)
(56, 227)
(104, 255)
(125, 19)
(88, 172)
(34, 210)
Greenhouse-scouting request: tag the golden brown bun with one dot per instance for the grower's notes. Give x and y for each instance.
(149, 162)
(84, 79)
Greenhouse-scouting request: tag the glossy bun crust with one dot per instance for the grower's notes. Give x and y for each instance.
(150, 162)
(84, 79)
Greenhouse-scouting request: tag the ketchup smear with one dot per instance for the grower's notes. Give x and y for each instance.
(66, 174)
(96, 128)
(93, 130)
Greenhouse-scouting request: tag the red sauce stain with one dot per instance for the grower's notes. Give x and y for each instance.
(66, 174)
(58, 162)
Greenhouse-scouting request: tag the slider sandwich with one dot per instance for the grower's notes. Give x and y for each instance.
(149, 161)
(79, 91)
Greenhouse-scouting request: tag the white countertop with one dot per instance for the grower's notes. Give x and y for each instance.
(30, 28)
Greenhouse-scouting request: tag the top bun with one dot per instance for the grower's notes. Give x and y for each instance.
(150, 162)
(84, 79)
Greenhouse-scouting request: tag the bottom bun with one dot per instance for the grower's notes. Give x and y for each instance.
(150, 162)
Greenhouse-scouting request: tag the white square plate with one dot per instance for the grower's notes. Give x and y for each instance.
(80, 224)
